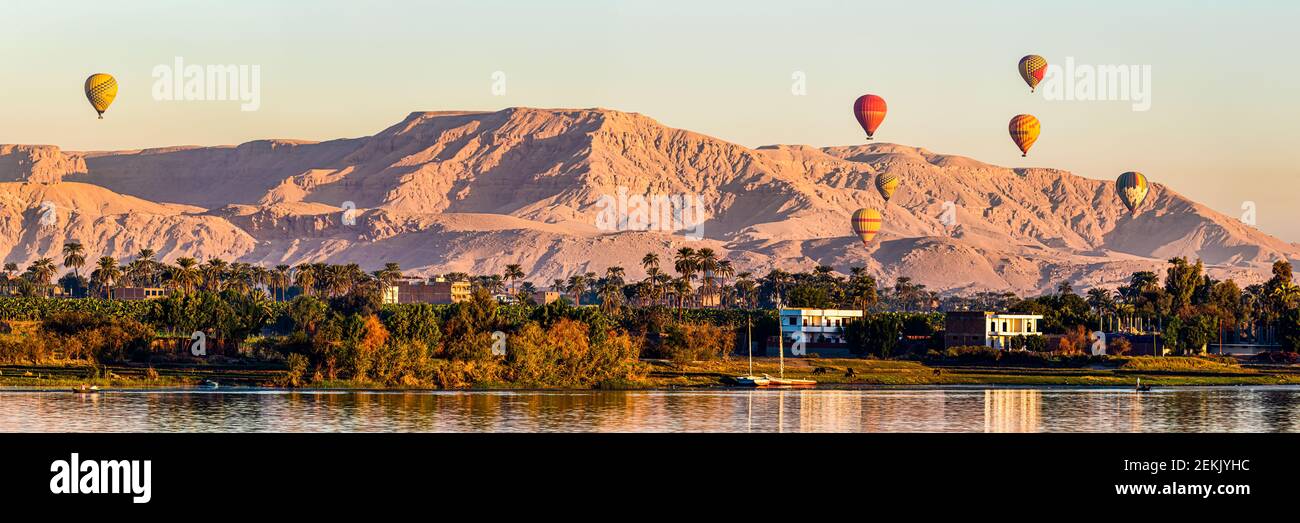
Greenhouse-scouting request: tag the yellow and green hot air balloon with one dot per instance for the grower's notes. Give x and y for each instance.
(1024, 131)
(1132, 188)
(866, 223)
(887, 184)
(1032, 67)
(101, 89)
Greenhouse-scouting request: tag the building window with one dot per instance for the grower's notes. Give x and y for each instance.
(794, 321)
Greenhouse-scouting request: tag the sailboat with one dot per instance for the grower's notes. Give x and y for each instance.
(766, 381)
(750, 380)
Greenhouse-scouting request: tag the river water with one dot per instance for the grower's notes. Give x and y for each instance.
(949, 409)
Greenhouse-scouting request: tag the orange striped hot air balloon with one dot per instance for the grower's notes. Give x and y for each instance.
(886, 184)
(866, 223)
(1132, 188)
(1024, 131)
(870, 110)
(1032, 67)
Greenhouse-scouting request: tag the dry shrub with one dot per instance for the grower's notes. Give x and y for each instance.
(686, 342)
(1074, 342)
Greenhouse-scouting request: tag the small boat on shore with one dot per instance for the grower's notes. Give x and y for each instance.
(208, 384)
(752, 381)
(789, 382)
(86, 389)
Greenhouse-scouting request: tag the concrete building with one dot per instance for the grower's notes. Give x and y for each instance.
(964, 328)
(546, 297)
(438, 292)
(817, 325)
(139, 293)
(822, 331)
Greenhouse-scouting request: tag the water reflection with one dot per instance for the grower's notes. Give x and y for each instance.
(1011, 410)
(1227, 409)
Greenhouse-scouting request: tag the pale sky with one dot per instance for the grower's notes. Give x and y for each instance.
(1222, 127)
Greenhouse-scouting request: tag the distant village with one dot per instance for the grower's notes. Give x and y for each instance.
(1188, 314)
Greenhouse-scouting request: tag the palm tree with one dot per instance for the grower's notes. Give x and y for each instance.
(262, 278)
(138, 273)
(354, 276)
(214, 274)
(305, 276)
(186, 274)
(681, 288)
(778, 280)
(578, 286)
(513, 273)
(905, 292)
(686, 264)
(653, 289)
(336, 279)
(9, 269)
(238, 277)
(281, 278)
(1099, 298)
(1286, 295)
(74, 257)
(650, 261)
(611, 289)
(42, 272)
(107, 274)
(726, 271)
(149, 267)
(745, 286)
(706, 261)
(1065, 287)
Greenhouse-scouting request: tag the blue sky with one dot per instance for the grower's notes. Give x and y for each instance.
(1221, 128)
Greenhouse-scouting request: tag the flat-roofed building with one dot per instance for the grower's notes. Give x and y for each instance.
(139, 293)
(436, 292)
(965, 328)
(546, 297)
(817, 325)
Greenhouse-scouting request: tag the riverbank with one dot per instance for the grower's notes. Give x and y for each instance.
(662, 374)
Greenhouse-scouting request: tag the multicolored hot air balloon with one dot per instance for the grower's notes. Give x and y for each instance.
(1024, 131)
(1132, 188)
(101, 89)
(887, 183)
(1032, 67)
(870, 110)
(866, 223)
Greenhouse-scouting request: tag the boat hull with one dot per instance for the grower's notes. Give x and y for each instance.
(751, 381)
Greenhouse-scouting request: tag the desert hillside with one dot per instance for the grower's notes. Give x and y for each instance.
(476, 191)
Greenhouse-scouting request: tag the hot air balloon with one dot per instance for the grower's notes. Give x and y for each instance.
(887, 184)
(1032, 67)
(866, 223)
(101, 89)
(870, 110)
(1024, 131)
(1132, 188)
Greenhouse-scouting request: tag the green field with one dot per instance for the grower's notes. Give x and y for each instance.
(1168, 371)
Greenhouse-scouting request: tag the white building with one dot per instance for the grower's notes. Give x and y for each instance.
(817, 325)
(988, 329)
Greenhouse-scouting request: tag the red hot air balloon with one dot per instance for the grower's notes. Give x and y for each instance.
(866, 223)
(870, 110)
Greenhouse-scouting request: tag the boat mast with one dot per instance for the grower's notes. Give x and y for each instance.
(780, 338)
(749, 344)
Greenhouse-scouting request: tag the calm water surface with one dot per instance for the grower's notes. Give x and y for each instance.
(1208, 409)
